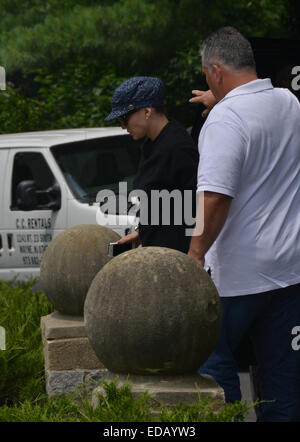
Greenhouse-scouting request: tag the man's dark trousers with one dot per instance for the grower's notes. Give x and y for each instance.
(268, 318)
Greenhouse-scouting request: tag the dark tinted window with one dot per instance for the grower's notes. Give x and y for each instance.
(93, 165)
(31, 166)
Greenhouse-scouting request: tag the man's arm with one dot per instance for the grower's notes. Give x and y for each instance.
(216, 207)
(132, 237)
(204, 97)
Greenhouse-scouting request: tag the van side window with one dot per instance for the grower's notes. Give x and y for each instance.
(31, 166)
(100, 163)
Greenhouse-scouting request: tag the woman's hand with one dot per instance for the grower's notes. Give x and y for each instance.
(205, 97)
(196, 257)
(132, 237)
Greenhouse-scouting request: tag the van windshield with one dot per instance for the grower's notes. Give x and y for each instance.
(93, 165)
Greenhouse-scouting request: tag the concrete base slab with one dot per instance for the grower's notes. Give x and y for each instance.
(59, 326)
(69, 358)
(66, 346)
(66, 381)
(247, 395)
(166, 390)
(70, 354)
(63, 382)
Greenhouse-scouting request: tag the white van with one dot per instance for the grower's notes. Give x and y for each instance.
(49, 181)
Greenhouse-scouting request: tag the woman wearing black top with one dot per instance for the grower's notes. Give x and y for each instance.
(169, 158)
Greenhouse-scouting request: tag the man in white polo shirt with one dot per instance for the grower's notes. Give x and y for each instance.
(249, 171)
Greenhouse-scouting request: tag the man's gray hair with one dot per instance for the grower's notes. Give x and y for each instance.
(227, 46)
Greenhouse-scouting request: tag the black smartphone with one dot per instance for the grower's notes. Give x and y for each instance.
(115, 249)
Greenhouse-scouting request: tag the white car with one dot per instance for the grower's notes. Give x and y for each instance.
(49, 181)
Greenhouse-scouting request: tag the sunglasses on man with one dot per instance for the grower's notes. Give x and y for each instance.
(124, 118)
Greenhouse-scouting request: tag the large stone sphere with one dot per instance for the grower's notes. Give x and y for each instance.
(152, 310)
(71, 262)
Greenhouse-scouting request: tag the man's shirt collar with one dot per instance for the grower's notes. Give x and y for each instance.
(250, 88)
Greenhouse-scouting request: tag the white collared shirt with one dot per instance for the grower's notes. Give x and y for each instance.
(250, 150)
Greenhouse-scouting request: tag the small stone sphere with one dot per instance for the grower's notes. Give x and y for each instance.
(152, 310)
(71, 262)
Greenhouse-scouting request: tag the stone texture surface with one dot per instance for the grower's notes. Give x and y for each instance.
(62, 382)
(95, 376)
(167, 390)
(71, 262)
(69, 359)
(68, 354)
(163, 390)
(152, 310)
(65, 381)
(59, 326)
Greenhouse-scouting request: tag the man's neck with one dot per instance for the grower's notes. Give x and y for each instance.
(237, 80)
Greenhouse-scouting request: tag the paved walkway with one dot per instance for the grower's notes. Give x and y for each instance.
(246, 395)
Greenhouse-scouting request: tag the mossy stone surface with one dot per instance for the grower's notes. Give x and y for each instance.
(152, 310)
(71, 262)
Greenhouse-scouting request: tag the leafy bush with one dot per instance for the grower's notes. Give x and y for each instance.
(183, 75)
(127, 33)
(64, 59)
(78, 96)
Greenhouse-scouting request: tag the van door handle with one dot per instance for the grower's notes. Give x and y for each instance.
(10, 242)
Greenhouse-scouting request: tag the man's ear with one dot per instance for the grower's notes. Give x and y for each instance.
(217, 72)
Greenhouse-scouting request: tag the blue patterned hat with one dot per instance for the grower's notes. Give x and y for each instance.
(136, 93)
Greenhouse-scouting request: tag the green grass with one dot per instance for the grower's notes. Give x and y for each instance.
(22, 382)
(117, 404)
(22, 364)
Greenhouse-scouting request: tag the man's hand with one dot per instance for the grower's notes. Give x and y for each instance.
(132, 237)
(205, 97)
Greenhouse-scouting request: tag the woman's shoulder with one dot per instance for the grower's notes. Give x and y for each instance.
(179, 134)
